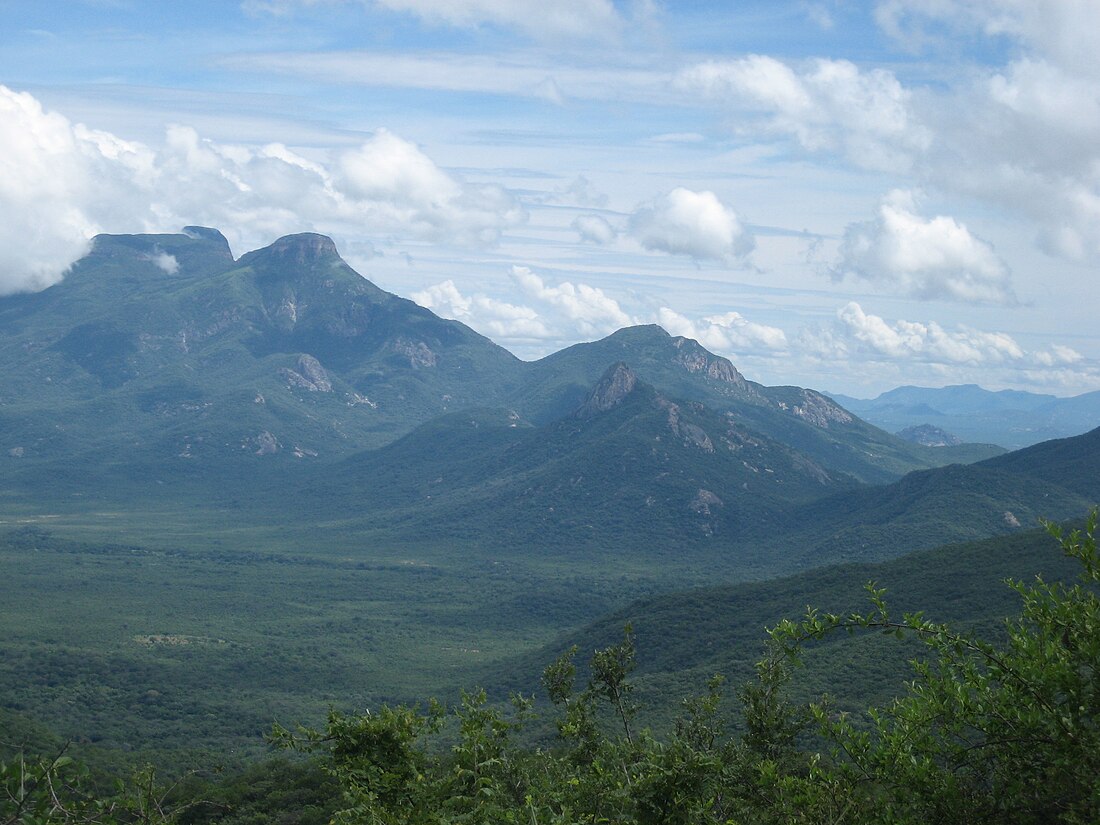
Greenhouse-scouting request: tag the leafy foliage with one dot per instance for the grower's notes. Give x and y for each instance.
(986, 732)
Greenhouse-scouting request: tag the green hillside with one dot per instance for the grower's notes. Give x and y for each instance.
(683, 638)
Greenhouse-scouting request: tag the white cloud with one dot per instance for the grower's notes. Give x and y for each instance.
(729, 333)
(58, 188)
(495, 318)
(558, 312)
(594, 229)
(165, 262)
(61, 183)
(587, 308)
(566, 311)
(925, 341)
(531, 74)
(830, 105)
(698, 224)
(923, 258)
(1025, 136)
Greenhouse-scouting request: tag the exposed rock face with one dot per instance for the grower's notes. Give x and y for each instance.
(703, 502)
(310, 375)
(266, 444)
(617, 383)
(692, 434)
(695, 359)
(208, 234)
(304, 248)
(418, 353)
(818, 410)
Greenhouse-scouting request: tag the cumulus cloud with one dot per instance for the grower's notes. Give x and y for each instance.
(1026, 135)
(594, 229)
(165, 262)
(926, 341)
(698, 224)
(498, 319)
(828, 105)
(61, 183)
(923, 257)
(727, 333)
(564, 311)
(587, 308)
(58, 188)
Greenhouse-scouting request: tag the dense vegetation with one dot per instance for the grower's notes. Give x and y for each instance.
(987, 731)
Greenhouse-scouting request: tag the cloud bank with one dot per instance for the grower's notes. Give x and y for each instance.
(62, 183)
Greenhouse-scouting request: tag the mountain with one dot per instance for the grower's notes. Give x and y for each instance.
(161, 363)
(1053, 480)
(1010, 418)
(163, 353)
(627, 467)
(801, 418)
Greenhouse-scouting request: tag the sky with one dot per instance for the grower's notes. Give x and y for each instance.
(849, 196)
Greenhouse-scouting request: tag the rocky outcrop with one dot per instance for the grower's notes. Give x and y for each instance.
(704, 502)
(695, 359)
(615, 385)
(816, 409)
(692, 434)
(418, 353)
(303, 248)
(310, 375)
(263, 444)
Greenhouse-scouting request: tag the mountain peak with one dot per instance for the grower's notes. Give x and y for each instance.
(615, 385)
(303, 248)
(206, 233)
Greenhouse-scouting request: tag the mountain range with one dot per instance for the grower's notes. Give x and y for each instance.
(236, 487)
(1010, 418)
(161, 358)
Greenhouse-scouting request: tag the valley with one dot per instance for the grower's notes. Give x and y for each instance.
(252, 490)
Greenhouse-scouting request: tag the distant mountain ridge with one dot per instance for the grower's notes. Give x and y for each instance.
(1010, 418)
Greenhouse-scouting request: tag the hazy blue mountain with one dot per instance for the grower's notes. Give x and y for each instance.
(1010, 418)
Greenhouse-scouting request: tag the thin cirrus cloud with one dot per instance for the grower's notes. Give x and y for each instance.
(517, 74)
(585, 19)
(696, 224)
(924, 258)
(62, 183)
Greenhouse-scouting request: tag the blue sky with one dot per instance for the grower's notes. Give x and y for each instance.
(848, 196)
